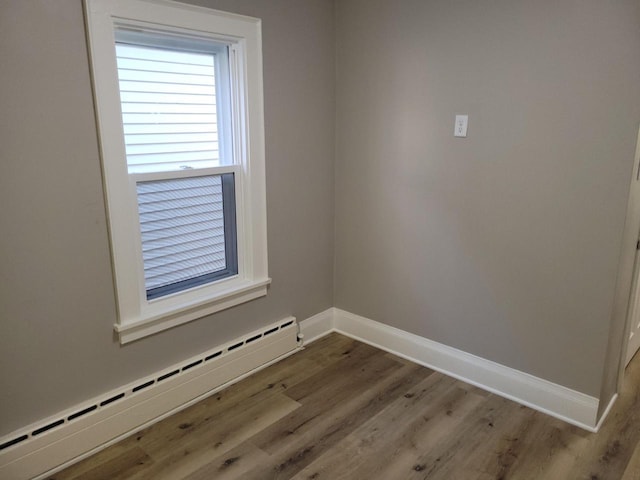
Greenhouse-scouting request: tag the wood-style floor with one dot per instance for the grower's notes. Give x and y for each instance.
(344, 410)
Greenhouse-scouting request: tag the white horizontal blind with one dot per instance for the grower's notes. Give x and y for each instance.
(168, 100)
(182, 227)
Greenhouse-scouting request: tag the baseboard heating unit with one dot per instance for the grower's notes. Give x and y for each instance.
(54, 443)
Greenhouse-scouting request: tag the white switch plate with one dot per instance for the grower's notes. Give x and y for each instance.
(460, 129)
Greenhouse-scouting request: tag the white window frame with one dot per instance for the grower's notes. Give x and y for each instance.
(138, 317)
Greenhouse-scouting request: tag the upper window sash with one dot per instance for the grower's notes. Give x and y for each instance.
(139, 49)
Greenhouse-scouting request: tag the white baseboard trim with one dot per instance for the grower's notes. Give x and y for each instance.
(605, 414)
(41, 455)
(74, 437)
(316, 327)
(556, 400)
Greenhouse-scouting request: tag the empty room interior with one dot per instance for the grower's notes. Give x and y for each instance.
(428, 223)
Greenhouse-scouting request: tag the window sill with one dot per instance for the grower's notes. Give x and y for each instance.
(135, 330)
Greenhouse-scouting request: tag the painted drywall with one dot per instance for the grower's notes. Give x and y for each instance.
(504, 244)
(57, 306)
(621, 322)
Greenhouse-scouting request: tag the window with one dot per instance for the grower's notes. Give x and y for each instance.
(175, 99)
(178, 95)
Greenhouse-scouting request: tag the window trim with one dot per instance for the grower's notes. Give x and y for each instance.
(138, 317)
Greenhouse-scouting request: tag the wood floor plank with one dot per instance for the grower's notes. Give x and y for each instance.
(547, 449)
(612, 448)
(321, 394)
(119, 464)
(360, 363)
(176, 457)
(632, 472)
(340, 409)
(403, 460)
(369, 448)
(235, 401)
(320, 423)
(232, 465)
(195, 424)
(491, 431)
(289, 372)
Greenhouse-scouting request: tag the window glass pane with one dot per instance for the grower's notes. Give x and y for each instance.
(182, 223)
(169, 110)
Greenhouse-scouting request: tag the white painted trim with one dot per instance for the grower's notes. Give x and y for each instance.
(552, 399)
(317, 326)
(605, 414)
(627, 283)
(80, 438)
(129, 332)
(245, 63)
(49, 452)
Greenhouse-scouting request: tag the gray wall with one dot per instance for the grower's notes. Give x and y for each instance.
(56, 297)
(504, 244)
